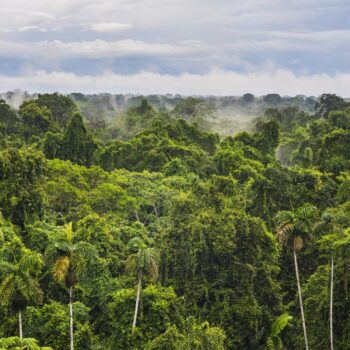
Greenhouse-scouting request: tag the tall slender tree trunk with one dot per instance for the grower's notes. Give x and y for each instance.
(137, 303)
(331, 304)
(300, 299)
(71, 330)
(20, 324)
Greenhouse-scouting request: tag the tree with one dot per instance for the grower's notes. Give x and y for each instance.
(328, 103)
(15, 343)
(192, 109)
(248, 98)
(153, 148)
(269, 137)
(159, 304)
(293, 231)
(274, 341)
(78, 145)
(144, 108)
(70, 262)
(143, 262)
(49, 324)
(36, 119)
(190, 336)
(273, 99)
(334, 151)
(8, 118)
(62, 107)
(52, 145)
(21, 173)
(331, 232)
(212, 254)
(137, 119)
(20, 285)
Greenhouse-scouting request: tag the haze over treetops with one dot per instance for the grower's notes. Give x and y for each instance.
(142, 228)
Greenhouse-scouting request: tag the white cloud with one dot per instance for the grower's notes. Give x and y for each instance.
(175, 35)
(28, 28)
(216, 82)
(58, 7)
(96, 49)
(12, 18)
(317, 36)
(105, 27)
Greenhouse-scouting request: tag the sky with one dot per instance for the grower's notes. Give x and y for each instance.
(190, 47)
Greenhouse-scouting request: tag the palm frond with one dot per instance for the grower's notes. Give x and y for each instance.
(280, 324)
(30, 261)
(283, 233)
(136, 244)
(21, 344)
(306, 212)
(6, 267)
(274, 341)
(63, 247)
(56, 249)
(153, 269)
(141, 259)
(303, 225)
(145, 261)
(284, 216)
(7, 289)
(86, 250)
(21, 285)
(29, 287)
(61, 268)
(270, 345)
(78, 263)
(68, 229)
(130, 265)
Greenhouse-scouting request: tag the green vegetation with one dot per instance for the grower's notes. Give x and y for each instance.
(152, 232)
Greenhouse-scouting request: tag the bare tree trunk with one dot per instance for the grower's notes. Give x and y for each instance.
(156, 210)
(137, 304)
(20, 324)
(331, 304)
(71, 330)
(300, 299)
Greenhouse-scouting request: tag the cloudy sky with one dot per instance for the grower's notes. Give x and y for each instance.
(220, 47)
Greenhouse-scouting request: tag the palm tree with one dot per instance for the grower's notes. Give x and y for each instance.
(15, 343)
(70, 262)
(274, 341)
(143, 262)
(294, 229)
(20, 285)
(327, 226)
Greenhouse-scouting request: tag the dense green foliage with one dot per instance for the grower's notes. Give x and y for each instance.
(187, 220)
